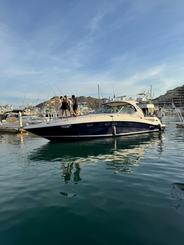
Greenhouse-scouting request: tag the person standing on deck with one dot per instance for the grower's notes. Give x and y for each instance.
(60, 107)
(65, 106)
(70, 105)
(75, 105)
(160, 114)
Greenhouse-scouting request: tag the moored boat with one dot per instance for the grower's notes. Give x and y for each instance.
(115, 118)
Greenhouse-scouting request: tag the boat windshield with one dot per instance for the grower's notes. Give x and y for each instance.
(128, 109)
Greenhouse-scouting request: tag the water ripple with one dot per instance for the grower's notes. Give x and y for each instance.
(128, 190)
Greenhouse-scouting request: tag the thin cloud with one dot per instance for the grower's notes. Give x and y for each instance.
(118, 45)
(94, 24)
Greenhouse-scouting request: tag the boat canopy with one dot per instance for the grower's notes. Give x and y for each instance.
(120, 106)
(121, 103)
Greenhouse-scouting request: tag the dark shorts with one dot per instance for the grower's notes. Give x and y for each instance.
(64, 106)
(75, 107)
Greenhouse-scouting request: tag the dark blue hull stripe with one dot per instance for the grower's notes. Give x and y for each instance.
(95, 130)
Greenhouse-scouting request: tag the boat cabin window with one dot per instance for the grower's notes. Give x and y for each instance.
(127, 108)
(105, 109)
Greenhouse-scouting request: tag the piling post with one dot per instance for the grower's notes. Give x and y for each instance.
(20, 130)
(20, 119)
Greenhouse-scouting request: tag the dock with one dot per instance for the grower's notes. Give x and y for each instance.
(11, 129)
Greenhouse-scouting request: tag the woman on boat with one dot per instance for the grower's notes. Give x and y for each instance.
(65, 107)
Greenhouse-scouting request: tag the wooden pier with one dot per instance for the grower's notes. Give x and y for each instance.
(11, 129)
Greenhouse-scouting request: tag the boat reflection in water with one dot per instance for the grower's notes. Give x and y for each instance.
(118, 154)
(177, 194)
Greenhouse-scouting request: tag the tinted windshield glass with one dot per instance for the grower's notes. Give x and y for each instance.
(105, 109)
(116, 109)
(127, 109)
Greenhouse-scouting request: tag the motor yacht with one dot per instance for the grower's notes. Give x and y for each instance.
(115, 118)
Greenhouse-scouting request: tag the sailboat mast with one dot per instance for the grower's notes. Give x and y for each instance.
(98, 91)
(98, 95)
(151, 92)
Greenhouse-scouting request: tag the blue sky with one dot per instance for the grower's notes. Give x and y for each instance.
(57, 47)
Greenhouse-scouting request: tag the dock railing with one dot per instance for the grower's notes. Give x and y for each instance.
(179, 114)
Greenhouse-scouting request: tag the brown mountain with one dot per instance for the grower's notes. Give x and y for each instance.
(175, 96)
(91, 102)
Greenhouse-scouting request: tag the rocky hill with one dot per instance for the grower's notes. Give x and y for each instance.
(54, 102)
(175, 95)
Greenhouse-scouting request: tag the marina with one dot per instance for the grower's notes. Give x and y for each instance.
(95, 118)
(91, 122)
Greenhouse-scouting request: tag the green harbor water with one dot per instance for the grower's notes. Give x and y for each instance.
(128, 190)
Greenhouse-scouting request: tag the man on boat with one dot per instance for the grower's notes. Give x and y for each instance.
(74, 105)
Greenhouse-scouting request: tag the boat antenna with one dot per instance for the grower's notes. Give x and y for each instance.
(114, 96)
(98, 95)
(98, 91)
(151, 92)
